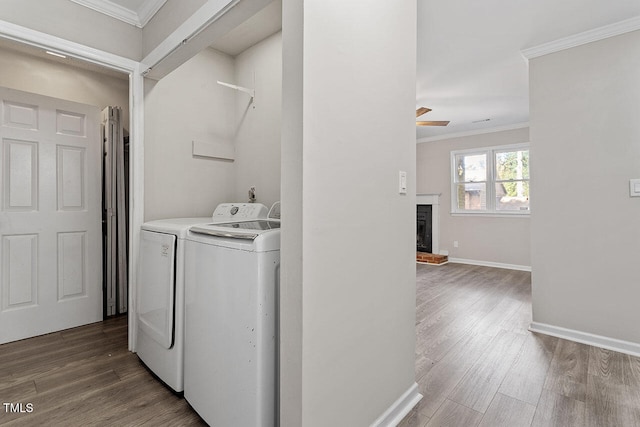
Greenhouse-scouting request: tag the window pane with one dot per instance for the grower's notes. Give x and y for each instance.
(512, 165)
(471, 168)
(512, 196)
(472, 196)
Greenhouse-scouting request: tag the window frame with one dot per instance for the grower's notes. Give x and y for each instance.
(490, 183)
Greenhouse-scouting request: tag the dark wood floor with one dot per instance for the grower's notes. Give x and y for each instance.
(85, 377)
(477, 364)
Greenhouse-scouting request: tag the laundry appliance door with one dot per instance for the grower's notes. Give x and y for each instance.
(156, 286)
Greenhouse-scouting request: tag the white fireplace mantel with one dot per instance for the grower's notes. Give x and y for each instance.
(434, 201)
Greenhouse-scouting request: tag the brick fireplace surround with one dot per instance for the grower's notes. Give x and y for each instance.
(427, 258)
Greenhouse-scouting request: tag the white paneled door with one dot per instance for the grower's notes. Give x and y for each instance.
(50, 215)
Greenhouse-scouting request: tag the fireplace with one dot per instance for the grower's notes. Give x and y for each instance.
(424, 228)
(427, 230)
(432, 200)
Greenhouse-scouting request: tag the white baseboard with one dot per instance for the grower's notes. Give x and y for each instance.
(614, 344)
(432, 263)
(490, 264)
(400, 408)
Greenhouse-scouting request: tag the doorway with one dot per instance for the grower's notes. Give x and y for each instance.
(23, 68)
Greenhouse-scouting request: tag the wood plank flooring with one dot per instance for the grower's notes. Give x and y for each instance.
(478, 365)
(85, 377)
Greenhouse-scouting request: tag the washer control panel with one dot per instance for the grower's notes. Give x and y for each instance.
(240, 211)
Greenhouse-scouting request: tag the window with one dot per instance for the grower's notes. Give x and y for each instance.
(491, 180)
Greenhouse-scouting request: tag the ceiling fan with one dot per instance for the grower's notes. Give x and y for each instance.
(424, 110)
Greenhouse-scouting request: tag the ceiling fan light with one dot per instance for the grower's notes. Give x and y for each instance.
(422, 110)
(433, 123)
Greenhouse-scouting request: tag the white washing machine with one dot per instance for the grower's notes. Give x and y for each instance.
(231, 291)
(160, 289)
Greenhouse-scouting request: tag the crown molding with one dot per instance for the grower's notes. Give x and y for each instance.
(138, 18)
(148, 9)
(600, 33)
(473, 132)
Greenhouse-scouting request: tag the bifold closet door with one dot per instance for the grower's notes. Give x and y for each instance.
(115, 213)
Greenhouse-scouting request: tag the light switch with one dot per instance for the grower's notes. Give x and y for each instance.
(634, 188)
(402, 188)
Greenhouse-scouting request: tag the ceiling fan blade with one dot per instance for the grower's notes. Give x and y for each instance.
(422, 110)
(433, 123)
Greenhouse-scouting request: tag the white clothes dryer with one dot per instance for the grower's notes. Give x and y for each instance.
(160, 289)
(231, 290)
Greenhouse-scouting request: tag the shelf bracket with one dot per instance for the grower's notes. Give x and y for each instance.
(250, 92)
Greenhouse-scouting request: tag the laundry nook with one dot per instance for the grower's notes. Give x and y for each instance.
(148, 150)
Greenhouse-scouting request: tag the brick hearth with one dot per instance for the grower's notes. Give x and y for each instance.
(431, 258)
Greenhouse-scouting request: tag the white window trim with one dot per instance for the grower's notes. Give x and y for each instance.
(490, 183)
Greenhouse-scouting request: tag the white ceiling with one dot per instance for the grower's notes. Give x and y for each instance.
(469, 62)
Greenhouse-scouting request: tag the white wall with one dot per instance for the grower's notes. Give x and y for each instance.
(257, 132)
(585, 136)
(184, 106)
(69, 20)
(348, 128)
(50, 78)
(291, 266)
(486, 239)
(188, 105)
